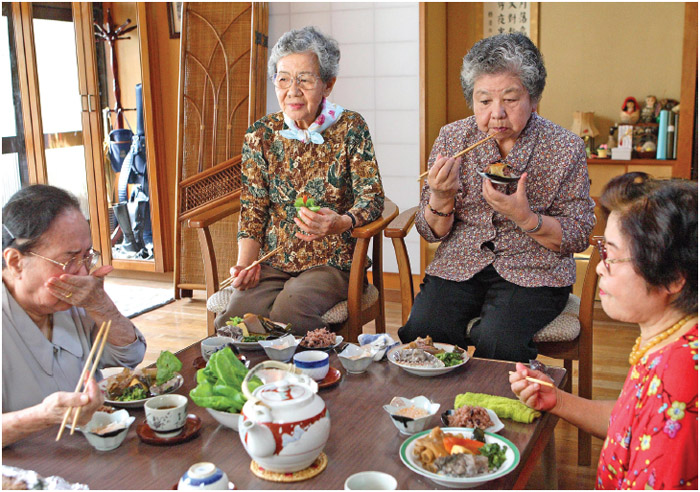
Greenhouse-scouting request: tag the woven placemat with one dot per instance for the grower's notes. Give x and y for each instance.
(316, 467)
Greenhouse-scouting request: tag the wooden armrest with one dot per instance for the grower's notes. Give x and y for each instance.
(207, 217)
(402, 224)
(377, 226)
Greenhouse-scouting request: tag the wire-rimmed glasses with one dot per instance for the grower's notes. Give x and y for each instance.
(600, 244)
(73, 265)
(305, 81)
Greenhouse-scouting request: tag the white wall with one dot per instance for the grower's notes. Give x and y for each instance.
(379, 62)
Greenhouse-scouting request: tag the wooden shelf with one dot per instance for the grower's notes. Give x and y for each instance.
(636, 162)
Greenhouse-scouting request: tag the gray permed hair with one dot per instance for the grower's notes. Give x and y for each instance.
(307, 39)
(504, 53)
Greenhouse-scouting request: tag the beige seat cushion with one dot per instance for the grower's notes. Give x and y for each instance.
(218, 302)
(564, 328)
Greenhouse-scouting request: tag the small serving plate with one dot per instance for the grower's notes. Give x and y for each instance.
(332, 378)
(193, 425)
(496, 427)
(408, 425)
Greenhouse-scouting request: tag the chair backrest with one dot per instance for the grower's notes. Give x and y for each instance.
(223, 48)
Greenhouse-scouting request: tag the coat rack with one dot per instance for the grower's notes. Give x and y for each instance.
(110, 35)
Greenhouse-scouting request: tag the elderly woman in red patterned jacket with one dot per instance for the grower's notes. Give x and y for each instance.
(506, 252)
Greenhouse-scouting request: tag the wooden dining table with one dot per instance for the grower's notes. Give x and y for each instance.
(363, 436)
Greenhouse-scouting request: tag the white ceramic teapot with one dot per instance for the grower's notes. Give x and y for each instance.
(284, 424)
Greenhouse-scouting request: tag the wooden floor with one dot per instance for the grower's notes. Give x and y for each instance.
(183, 322)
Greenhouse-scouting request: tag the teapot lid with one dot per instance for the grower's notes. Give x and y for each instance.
(283, 393)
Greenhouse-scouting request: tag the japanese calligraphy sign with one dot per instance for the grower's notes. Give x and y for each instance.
(509, 17)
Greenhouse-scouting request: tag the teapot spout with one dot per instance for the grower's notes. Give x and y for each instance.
(257, 439)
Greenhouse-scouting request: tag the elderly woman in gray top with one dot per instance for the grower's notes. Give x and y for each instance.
(311, 149)
(506, 249)
(51, 306)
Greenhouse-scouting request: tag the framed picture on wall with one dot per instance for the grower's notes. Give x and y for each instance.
(175, 18)
(509, 17)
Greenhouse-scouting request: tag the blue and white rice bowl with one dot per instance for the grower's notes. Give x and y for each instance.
(204, 476)
(313, 363)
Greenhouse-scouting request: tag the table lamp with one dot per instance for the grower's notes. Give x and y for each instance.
(583, 127)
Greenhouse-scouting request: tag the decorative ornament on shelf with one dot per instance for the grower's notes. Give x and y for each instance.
(650, 110)
(630, 111)
(583, 127)
(603, 151)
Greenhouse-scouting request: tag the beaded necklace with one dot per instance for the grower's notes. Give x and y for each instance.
(637, 353)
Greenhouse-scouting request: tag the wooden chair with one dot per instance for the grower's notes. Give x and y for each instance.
(365, 301)
(571, 333)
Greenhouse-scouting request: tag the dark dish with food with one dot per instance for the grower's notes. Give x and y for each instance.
(252, 328)
(468, 416)
(499, 173)
(318, 339)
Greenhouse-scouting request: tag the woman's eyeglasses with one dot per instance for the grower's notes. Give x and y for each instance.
(305, 81)
(600, 244)
(73, 265)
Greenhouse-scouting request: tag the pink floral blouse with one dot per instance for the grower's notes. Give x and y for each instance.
(557, 186)
(652, 440)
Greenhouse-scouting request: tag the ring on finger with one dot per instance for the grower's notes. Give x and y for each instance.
(69, 295)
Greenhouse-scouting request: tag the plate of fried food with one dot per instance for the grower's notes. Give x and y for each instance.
(460, 458)
(499, 173)
(422, 357)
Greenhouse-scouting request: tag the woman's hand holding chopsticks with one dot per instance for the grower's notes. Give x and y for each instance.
(532, 388)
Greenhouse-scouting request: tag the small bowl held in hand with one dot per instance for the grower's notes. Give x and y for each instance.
(355, 360)
(281, 349)
(106, 431)
(406, 424)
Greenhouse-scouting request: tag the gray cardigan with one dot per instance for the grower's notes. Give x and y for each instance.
(34, 367)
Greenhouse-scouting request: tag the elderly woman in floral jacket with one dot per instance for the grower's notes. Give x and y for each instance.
(315, 150)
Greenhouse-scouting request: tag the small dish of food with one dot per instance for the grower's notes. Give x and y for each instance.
(459, 458)
(355, 359)
(106, 431)
(499, 173)
(281, 349)
(380, 343)
(210, 345)
(472, 418)
(422, 357)
(411, 415)
(320, 339)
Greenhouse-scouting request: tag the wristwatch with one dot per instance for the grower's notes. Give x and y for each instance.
(352, 218)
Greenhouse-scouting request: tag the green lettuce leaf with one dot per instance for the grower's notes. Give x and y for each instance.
(167, 365)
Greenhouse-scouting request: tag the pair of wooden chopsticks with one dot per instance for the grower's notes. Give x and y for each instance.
(535, 380)
(228, 281)
(100, 341)
(458, 154)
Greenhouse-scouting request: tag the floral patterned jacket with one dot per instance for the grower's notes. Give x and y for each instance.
(340, 174)
(652, 440)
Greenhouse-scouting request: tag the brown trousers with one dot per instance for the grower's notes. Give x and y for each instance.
(297, 298)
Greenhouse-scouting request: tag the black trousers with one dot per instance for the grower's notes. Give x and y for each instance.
(510, 314)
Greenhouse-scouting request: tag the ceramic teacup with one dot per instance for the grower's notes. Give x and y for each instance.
(371, 480)
(212, 344)
(204, 476)
(313, 363)
(166, 414)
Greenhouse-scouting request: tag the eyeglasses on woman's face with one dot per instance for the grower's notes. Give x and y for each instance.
(305, 81)
(600, 244)
(74, 265)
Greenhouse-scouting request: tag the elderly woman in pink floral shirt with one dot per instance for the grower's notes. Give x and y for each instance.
(506, 252)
